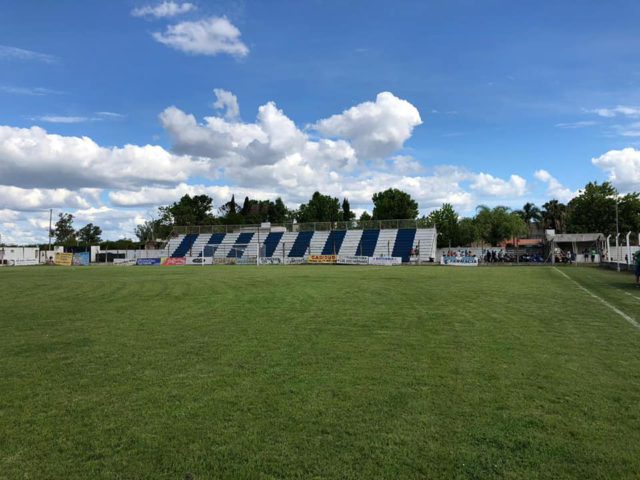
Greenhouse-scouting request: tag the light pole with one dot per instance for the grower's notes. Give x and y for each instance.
(617, 235)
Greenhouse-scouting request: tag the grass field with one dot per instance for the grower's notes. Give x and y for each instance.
(318, 372)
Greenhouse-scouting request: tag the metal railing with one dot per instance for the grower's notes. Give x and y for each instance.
(301, 227)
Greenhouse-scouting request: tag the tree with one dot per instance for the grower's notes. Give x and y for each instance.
(498, 224)
(365, 216)
(346, 214)
(445, 220)
(64, 232)
(320, 208)
(189, 210)
(529, 213)
(467, 232)
(229, 214)
(89, 234)
(394, 204)
(629, 213)
(593, 210)
(554, 216)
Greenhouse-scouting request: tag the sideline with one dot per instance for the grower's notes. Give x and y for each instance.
(602, 300)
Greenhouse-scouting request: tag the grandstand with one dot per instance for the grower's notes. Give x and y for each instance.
(376, 239)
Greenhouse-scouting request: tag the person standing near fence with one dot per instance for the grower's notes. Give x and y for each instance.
(636, 261)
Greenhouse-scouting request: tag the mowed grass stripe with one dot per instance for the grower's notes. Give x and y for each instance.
(630, 320)
(315, 372)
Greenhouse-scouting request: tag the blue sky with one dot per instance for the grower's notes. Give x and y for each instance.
(495, 102)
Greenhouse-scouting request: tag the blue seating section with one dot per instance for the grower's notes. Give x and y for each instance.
(243, 239)
(301, 245)
(271, 242)
(368, 243)
(215, 239)
(334, 242)
(185, 245)
(404, 243)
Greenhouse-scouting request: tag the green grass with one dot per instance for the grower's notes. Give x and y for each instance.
(317, 372)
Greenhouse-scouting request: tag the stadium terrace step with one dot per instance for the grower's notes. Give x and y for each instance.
(386, 242)
(185, 245)
(243, 239)
(334, 242)
(350, 242)
(425, 241)
(212, 241)
(368, 243)
(301, 244)
(271, 242)
(404, 243)
(226, 245)
(285, 245)
(317, 242)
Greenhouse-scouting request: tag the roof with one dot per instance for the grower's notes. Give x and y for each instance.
(577, 237)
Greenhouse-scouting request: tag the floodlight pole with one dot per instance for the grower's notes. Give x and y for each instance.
(617, 235)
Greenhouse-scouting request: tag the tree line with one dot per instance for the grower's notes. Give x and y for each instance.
(592, 210)
(199, 210)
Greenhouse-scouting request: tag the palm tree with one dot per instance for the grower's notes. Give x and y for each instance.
(554, 215)
(530, 213)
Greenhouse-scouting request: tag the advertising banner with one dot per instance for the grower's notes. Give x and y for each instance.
(199, 260)
(246, 261)
(271, 261)
(148, 261)
(125, 261)
(81, 259)
(23, 262)
(459, 261)
(174, 261)
(295, 260)
(353, 260)
(64, 259)
(322, 259)
(385, 261)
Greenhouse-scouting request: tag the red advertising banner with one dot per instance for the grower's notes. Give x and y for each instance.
(170, 261)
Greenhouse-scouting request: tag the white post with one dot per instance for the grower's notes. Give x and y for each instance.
(258, 249)
(617, 252)
(608, 249)
(628, 249)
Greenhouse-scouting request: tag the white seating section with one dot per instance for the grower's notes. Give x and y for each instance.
(424, 240)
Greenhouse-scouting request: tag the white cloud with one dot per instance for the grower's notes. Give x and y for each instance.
(61, 119)
(404, 164)
(14, 53)
(15, 198)
(622, 167)
(228, 102)
(619, 110)
(210, 36)
(630, 130)
(573, 125)
(152, 196)
(163, 10)
(554, 188)
(487, 184)
(375, 129)
(31, 91)
(31, 157)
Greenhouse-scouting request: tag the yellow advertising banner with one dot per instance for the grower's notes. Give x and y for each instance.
(322, 259)
(65, 259)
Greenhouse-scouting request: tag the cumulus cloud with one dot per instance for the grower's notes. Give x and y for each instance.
(554, 188)
(375, 129)
(228, 102)
(164, 9)
(31, 157)
(486, 184)
(150, 196)
(15, 198)
(622, 167)
(210, 36)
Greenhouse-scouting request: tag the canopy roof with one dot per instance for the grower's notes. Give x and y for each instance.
(577, 237)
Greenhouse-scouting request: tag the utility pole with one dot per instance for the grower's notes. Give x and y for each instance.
(50, 219)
